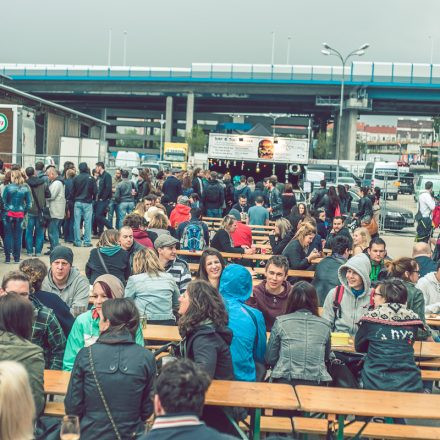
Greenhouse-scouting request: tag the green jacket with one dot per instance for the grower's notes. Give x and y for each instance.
(13, 348)
(85, 332)
(416, 303)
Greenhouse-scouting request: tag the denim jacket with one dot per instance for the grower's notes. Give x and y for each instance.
(298, 347)
(17, 198)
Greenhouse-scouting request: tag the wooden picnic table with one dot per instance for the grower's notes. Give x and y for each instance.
(433, 320)
(223, 393)
(367, 403)
(234, 256)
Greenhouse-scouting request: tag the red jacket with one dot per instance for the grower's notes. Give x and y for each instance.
(179, 215)
(242, 235)
(142, 238)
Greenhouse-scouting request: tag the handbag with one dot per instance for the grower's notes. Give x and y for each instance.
(43, 214)
(101, 394)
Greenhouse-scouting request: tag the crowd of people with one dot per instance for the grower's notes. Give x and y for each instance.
(89, 318)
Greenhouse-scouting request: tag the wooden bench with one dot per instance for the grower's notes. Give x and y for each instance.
(227, 255)
(54, 409)
(306, 425)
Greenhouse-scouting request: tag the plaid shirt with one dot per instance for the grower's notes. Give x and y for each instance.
(48, 334)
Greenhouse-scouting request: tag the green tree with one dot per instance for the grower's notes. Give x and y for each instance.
(324, 147)
(196, 140)
(130, 143)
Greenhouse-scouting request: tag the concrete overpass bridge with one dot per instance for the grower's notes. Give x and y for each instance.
(210, 93)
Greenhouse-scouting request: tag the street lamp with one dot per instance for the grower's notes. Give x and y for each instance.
(162, 122)
(328, 50)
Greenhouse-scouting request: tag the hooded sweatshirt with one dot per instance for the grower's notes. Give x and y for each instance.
(85, 330)
(353, 304)
(142, 237)
(39, 191)
(249, 334)
(430, 287)
(76, 292)
(179, 214)
(270, 305)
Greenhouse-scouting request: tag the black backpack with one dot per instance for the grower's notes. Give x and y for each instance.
(212, 193)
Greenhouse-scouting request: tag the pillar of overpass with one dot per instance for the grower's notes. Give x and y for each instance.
(348, 135)
(189, 112)
(169, 119)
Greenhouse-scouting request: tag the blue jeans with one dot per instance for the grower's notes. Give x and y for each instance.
(101, 207)
(217, 213)
(113, 209)
(83, 211)
(53, 232)
(34, 223)
(13, 234)
(123, 209)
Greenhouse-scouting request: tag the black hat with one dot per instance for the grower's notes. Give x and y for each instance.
(61, 253)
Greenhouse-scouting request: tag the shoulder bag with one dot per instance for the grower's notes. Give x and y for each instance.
(101, 394)
(102, 261)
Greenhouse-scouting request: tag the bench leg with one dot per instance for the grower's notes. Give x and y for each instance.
(242, 435)
(341, 422)
(255, 424)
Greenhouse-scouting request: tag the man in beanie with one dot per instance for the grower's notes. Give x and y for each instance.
(165, 246)
(181, 213)
(66, 280)
(83, 193)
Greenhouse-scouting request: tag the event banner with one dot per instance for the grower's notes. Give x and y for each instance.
(258, 148)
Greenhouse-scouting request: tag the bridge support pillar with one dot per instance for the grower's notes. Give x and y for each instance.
(348, 135)
(189, 112)
(169, 119)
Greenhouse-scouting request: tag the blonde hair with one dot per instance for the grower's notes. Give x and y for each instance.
(146, 261)
(17, 407)
(159, 221)
(109, 237)
(366, 238)
(140, 209)
(304, 230)
(227, 222)
(17, 177)
(284, 226)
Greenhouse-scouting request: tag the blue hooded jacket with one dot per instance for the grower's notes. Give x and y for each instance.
(235, 288)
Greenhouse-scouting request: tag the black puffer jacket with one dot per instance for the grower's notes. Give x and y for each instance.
(387, 334)
(125, 372)
(365, 207)
(208, 347)
(117, 265)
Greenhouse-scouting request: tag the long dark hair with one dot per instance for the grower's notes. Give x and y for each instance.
(122, 314)
(302, 296)
(333, 197)
(16, 315)
(342, 192)
(202, 274)
(204, 303)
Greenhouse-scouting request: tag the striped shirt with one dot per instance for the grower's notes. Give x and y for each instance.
(180, 272)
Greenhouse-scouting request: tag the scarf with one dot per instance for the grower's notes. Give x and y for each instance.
(375, 269)
(110, 250)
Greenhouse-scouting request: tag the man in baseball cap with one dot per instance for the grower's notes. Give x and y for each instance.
(165, 246)
(66, 280)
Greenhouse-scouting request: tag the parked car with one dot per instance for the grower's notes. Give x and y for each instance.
(395, 218)
(406, 183)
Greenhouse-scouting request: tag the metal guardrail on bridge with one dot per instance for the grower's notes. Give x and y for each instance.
(363, 73)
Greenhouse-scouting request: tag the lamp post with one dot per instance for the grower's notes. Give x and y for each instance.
(162, 122)
(330, 51)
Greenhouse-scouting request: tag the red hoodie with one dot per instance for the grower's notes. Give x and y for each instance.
(142, 238)
(179, 215)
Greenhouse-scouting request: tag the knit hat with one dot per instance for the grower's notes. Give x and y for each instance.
(114, 283)
(61, 253)
(183, 200)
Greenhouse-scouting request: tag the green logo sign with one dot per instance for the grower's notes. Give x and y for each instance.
(3, 123)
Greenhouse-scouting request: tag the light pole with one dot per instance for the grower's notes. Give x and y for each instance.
(162, 122)
(330, 51)
(109, 48)
(273, 48)
(125, 49)
(288, 51)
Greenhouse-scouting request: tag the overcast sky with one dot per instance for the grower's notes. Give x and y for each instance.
(178, 32)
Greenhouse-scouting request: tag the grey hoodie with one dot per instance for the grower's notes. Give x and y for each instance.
(430, 287)
(76, 292)
(352, 308)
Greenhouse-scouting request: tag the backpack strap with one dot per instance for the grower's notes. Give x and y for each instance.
(337, 310)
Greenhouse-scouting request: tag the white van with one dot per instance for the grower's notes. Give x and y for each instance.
(127, 159)
(384, 175)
